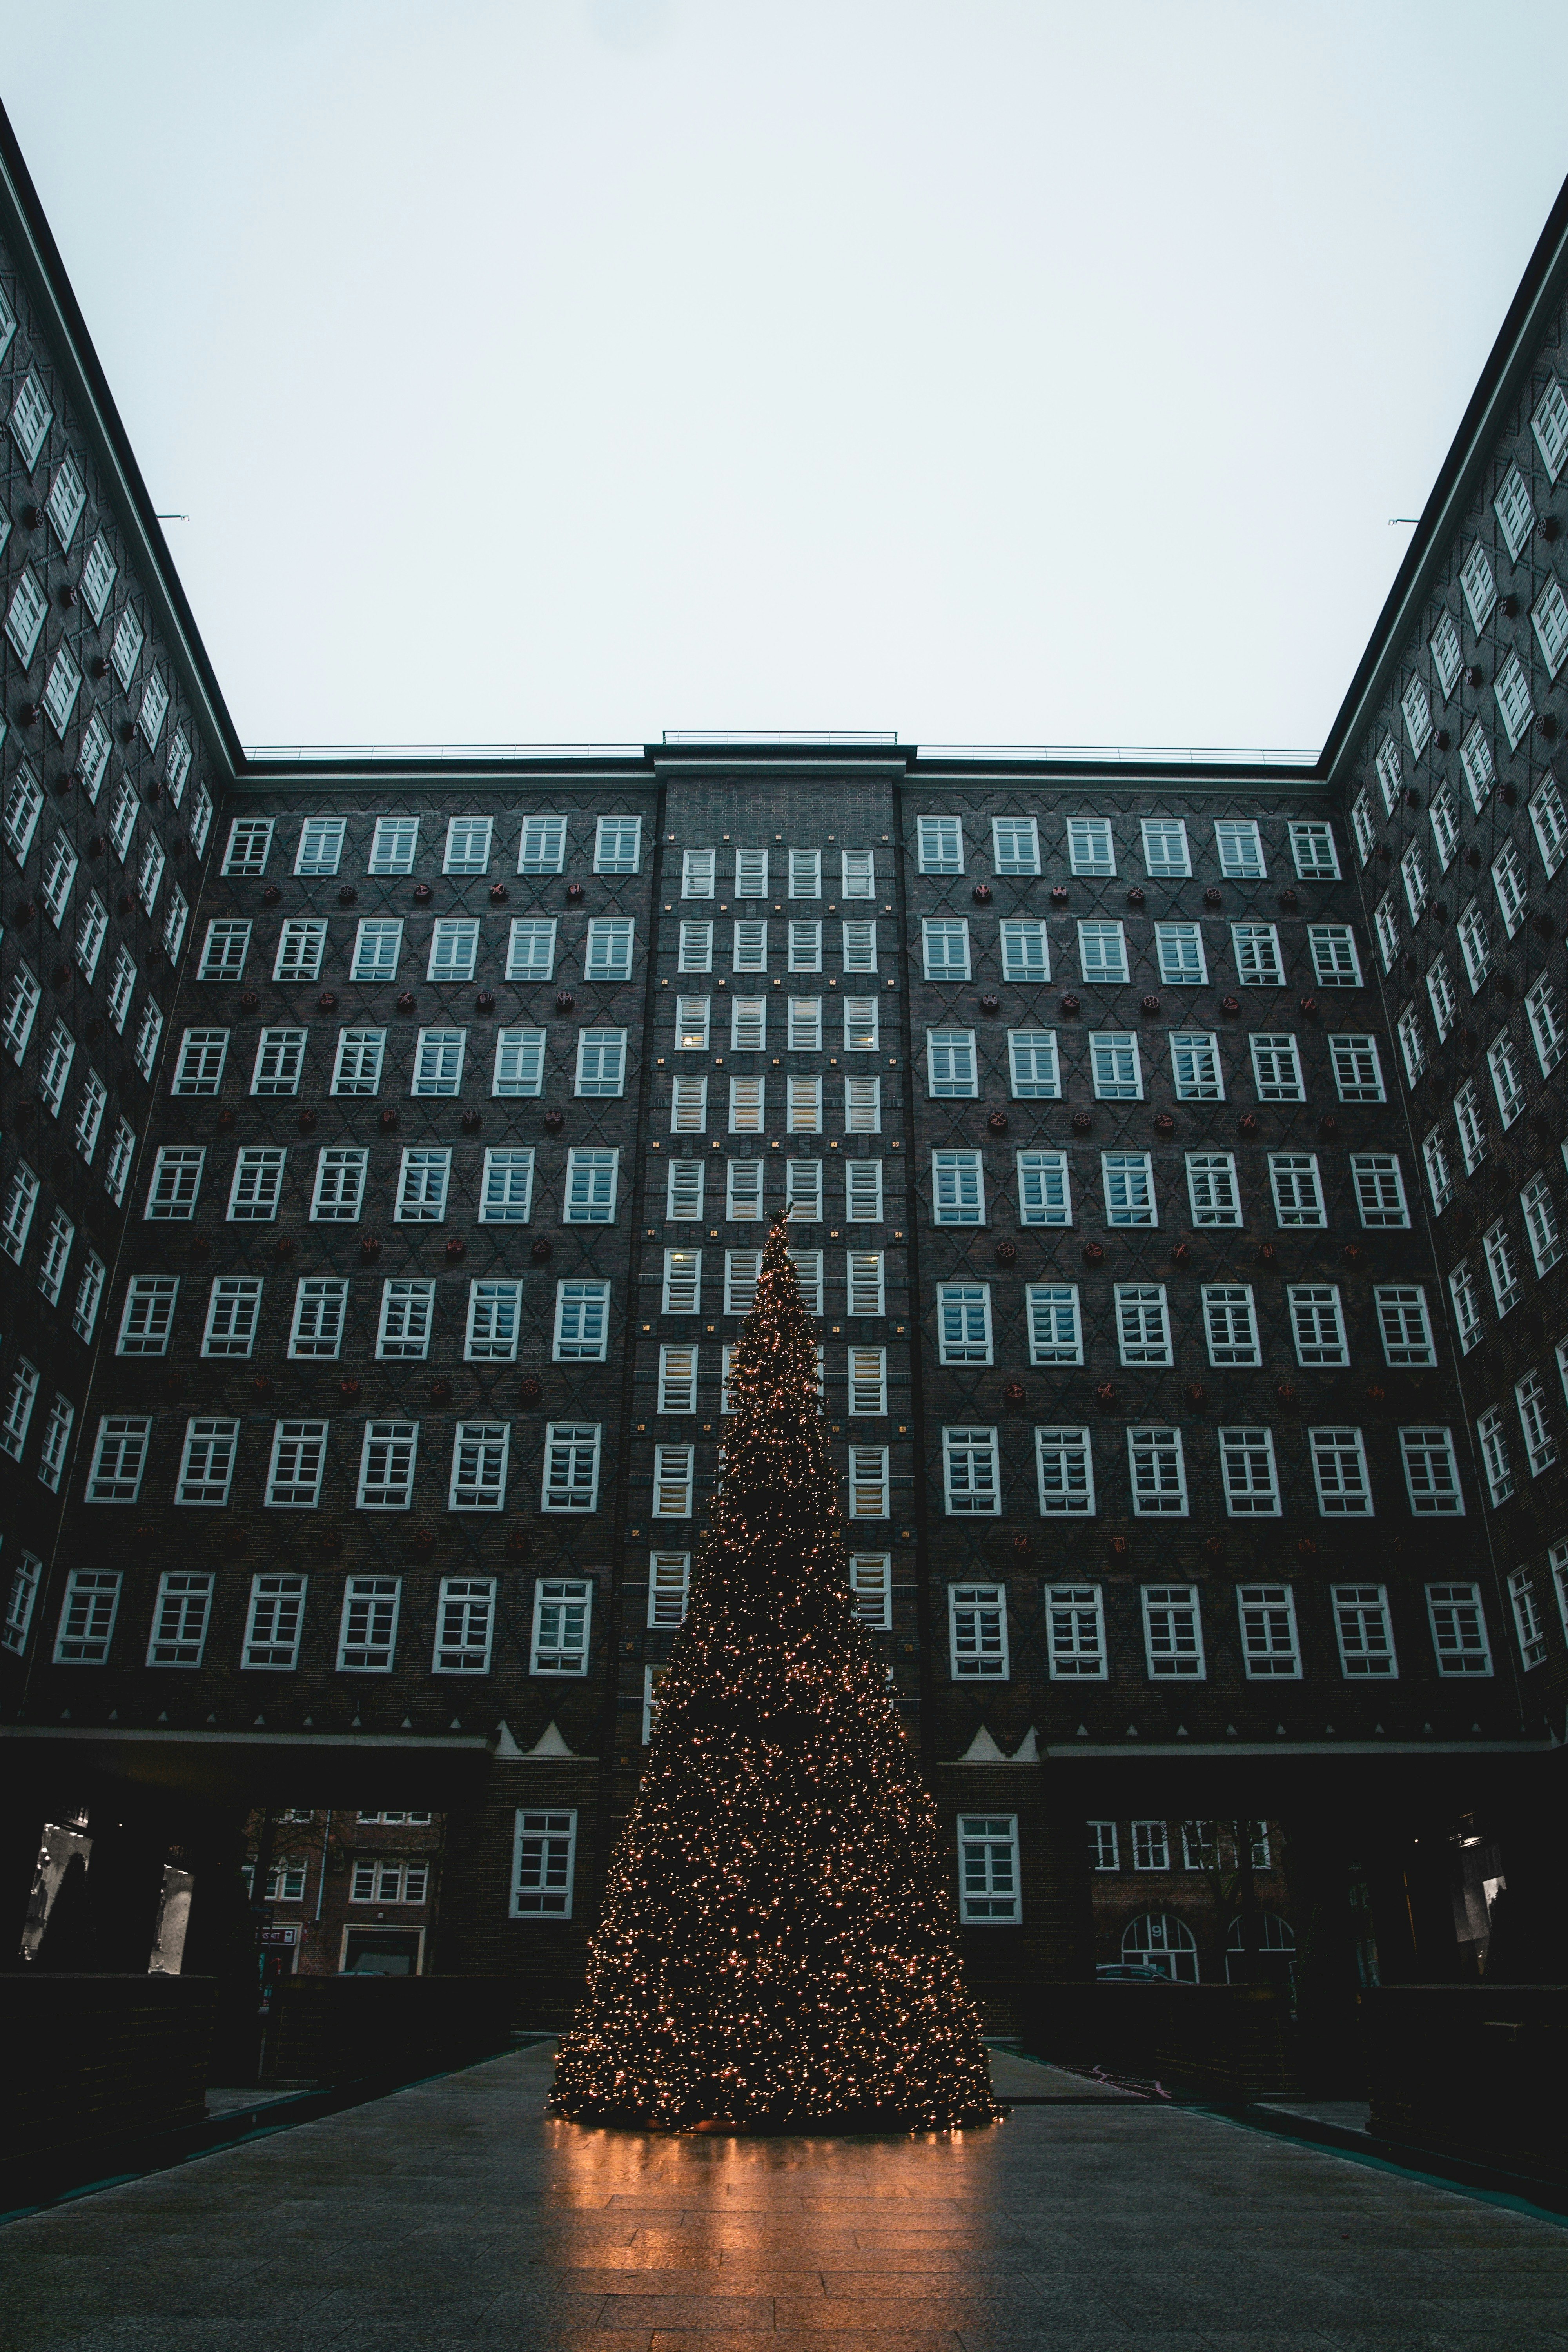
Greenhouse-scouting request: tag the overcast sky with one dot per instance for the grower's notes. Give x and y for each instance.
(997, 371)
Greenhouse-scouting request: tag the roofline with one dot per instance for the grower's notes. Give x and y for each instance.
(1506, 363)
(71, 350)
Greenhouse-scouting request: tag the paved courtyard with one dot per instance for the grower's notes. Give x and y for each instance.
(454, 2215)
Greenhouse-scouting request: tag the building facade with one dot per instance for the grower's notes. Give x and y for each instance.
(1174, 1156)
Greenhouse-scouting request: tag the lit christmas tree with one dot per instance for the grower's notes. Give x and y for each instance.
(779, 1945)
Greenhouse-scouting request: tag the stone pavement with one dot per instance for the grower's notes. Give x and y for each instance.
(453, 2216)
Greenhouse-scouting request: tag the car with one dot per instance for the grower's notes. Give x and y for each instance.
(1118, 1973)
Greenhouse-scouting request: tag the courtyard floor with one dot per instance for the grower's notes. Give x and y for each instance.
(455, 2215)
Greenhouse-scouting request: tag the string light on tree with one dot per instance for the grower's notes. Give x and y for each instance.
(779, 1946)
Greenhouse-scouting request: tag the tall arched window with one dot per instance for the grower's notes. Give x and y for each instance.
(1159, 1940)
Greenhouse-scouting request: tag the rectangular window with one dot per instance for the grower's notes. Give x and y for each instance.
(544, 1850)
(749, 947)
(357, 1070)
(1515, 707)
(674, 1480)
(21, 1396)
(468, 845)
(741, 1268)
(31, 418)
(1338, 1471)
(1508, 1078)
(89, 1296)
(946, 949)
(279, 1059)
(864, 1283)
(1318, 1324)
(176, 1182)
(388, 1453)
(1312, 847)
(1102, 953)
(479, 1450)
(1247, 1468)
(1358, 1072)
(570, 1466)
(1458, 1629)
(321, 845)
(803, 1106)
(868, 1383)
(117, 1168)
(1441, 998)
(689, 1105)
(91, 929)
(1529, 1402)
(1440, 1175)
(341, 1172)
(377, 946)
(618, 845)
(1549, 822)
(1527, 1619)
(1143, 1324)
(963, 1322)
(862, 1027)
(958, 1189)
(1418, 712)
(1104, 1851)
(59, 874)
(862, 1106)
(1385, 923)
(233, 1308)
(677, 1379)
(1230, 1324)
(1075, 1629)
(1129, 1183)
(438, 1061)
(1541, 1227)
(592, 1182)
(1064, 1463)
(1150, 1846)
(1032, 1065)
(120, 1457)
(950, 1062)
(609, 953)
(406, 1307)
(465, 1624)
(66, 499)
(1114, 1061)
(1502, 1265)
(148, 1315)
(320, 1306)
(871, 1587)
(750, 874)
(682, 1292)
(977, 1632)
(21, 1200)
(149, 1029)
(395, 845)
(541, 846)
(297, 1464)
(1211, 1187)
(1179, 949)
(1240, 847)
(1492, 1442)
(1055, 1325)
(454, 947)
(1015, 844)
(582, 1322)
(1089, 847)
(507, 1191)
(870, 1489)
(1515, 514)
(495, 1311)
(258, 1184)
(1269, 1647)
(601, 1062)
(1466, 1305)
(804, 1033)
(1173, 1633)
(1166, 857)
(1432, 1473)
(23, 806)
(941, 841)
(1335, 962)
(250, 845)
(180, 1617)
(859, 949)
(1470, 1120)
(1025, 950)
(22, 1593)
(1194, 1066)
(988, 1871)
(367, 1629)
(1379, 1188)
(562, 1615)
(685, 1186)
(1364, 1632)
(89, 1115)
(531, 950)
(1158, 1473)
(805, 874)
(862, 1191)
(1389, 776)
(1256, 947)
(972, 1474)
(422, 1187)
(87, 1613)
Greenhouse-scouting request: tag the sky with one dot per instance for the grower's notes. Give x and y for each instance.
(564, 371)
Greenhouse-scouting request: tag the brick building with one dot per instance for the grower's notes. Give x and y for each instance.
(1174, 1150)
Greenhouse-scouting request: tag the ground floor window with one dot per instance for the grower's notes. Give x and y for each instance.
(1277, 1944)
(544, 1857)
(988, 1869)
(1159, 1940)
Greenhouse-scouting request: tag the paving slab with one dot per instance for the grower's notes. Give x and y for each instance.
(456, 2216)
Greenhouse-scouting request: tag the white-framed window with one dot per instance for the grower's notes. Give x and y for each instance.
(862, 1025)
(1312, 848)
(465, 1625)
(695, 947)
(562, 1625)
(1440, 1175)
(958, 1188)
(531, 948)
(88, 1612)
(803, 1033)
(749, 947)
(1195, 1074)
(977, 1632)
(1476, 760)
(454, 947)
(1515, 514)
(674, 1481)
(357, 1067)
(1150, 1846)
(1157, 1467)
(1318, 1324)
(339, 1191)
(1474, 945)
(321, 1307)
(864, 1282)
(803, 1189)
(1467, 1304)
(321, 845)
(407, 1306)
(593, 1181)
(1115, 1065)
(688, 1105)
(1458, 1629)
(1549, 426)
(422, 1177)
(1385, 923)
(618, 845)
(176, 1182)
(1340, 1473)
(31, 418)
(378, 945)
(23, 806)
(1441, 998)
(21, 1396)
(1075, 1631)
(1143, 1323)
(1335, 961)
(1358, 1072)
(950, 1062)
(1508, 1078)
(120, 1457)
(803, 1104)
(1432, 1473)
(945, 948)
(495, 1314)
(1529, 1403)
(1128, 1178)
(682, 1292)
(1230, 1324)
(601, 1061)
(1255, 948)
(582, 1322)
(394, 845)
(250, 845)
(1557, 1561)
(301, 943)
(176, 915)
(1364, 1631)
(678, 1380)
(1512, 693)
(1379, 1185)
(143, 1052)
(570, 1466)
(1102, 953)
(611, 940)
(1033, 1070)
(180, 1615)
(1173, 1633)
(16, 1220)
(669, 1588)
(1090, 849)
(862, 1106)
(1015, 844)
(1541, 1227)
(279, 1059)
(1470, 1122)
(1247, 1469)
(1270, 1649)
(1502, 1265)
(870, 1483)
(1445, 821)
(256, 1185)
(750, 874)
(941, 845)
(1211, 1187)
(89, 1115)
(1276, 1067)
(867, 1378)
(234, 1305)
(367, 1626)
(505, 1191)
(1044, 1190)
(963, 1322)
(117, 1167)
(971, 1473)
(57, 1249)
(91, 930)
(148, 1315)
(1417, 713)
(871, 1587)
(1549, 822)
(543, 1865)
(22, 1593)
(541, 844)
(1179, 948)
(1025, 950)
(686, 1183)
(1104, 1847)
(1166, 857)
(859, 948)
(1528, 1623)
(89, 1288)
(1063, 1465)
(693, 1020)
(988, 1875)
(123, 819)
(741, 1268)
(298, 1466)
(201, 802)
(479, 1454)
(1240, 845)
(467, 845)
(389, 1451)
(58, 875)
(806, 872)
(438, 1061)
(68, 497)
(1056, 1323)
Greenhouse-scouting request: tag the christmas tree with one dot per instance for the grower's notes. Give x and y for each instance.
(779, 1942)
